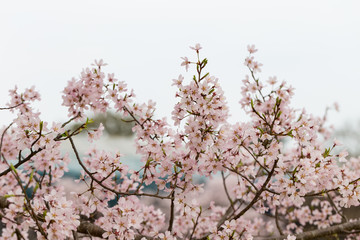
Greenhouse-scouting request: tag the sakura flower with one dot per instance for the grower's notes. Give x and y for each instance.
(166, 236)
(185, 63)
(95, 134)
(272, 80)
(256, 67)
(251, 49)
(99, 63)
(342, 156)
(178, 81)
(197, 47)
(111, 78)
(249, 61)
(290, 237)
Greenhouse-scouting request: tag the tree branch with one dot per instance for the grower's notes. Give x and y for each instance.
(316, 234)
(90, 228)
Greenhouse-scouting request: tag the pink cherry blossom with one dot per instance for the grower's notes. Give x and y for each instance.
(276, 174)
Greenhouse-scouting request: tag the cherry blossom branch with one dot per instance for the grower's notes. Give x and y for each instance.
(226, 191)
(336, 208)
(196, 222)
(258, 193)
(27, 204)
(244, 177)
(20, 162)
(133, 117)
(255, 158)
(15, 106)
(71, 119)
(32, 153)
(106, 187)
(250, 205)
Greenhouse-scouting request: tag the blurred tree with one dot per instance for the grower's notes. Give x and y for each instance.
(349, 135)
(114, 124)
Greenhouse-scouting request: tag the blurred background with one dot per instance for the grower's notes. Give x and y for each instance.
(313, 45)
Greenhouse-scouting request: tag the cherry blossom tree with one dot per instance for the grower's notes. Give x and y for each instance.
(281, 173)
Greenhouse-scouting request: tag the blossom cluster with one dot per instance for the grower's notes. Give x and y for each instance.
(282, 173)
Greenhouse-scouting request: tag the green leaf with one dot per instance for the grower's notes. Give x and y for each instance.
(31, 176)
(262, 131)
(294, 171)
(203, 63)
(239, 164)
(36, 188)
(326, 153)
(207, 74)
(89, 120)
(13, 168)
(290, 133)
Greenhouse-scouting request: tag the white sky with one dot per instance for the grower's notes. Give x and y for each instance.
(313, 45)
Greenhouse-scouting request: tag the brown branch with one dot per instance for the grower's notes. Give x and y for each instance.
(226, 191)
(336, 208)
(172, 211)
(316, 234)
(133, 117)
(70, 120)
(258, 193)
(243, 176)
(21, 162)
(277, 221)
(15, 106)
(195, 224)
(4, 203)
(250, 205)
(27, 204)
(90, 228)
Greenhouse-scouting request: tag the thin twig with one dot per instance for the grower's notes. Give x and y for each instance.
(277, 221)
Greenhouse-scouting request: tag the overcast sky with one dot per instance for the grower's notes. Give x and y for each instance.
(313, 45)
